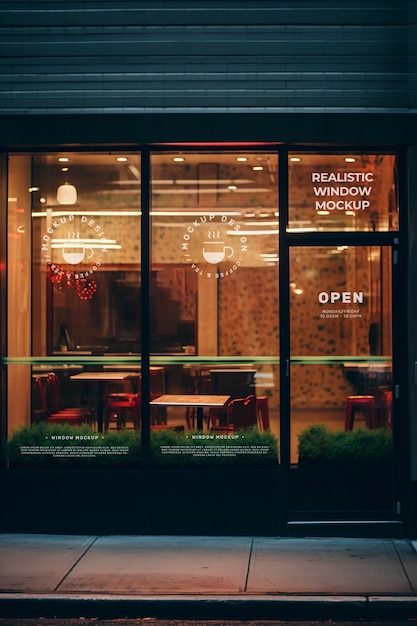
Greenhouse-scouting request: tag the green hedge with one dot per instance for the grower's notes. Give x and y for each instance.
(246, 448)
(317, 444)
(61, 445)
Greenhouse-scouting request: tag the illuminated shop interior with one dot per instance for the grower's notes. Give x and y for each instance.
(217, 288)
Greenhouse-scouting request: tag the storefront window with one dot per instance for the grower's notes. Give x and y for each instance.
(77, 307)
(342, 192)
(214, 306)
(74, 271)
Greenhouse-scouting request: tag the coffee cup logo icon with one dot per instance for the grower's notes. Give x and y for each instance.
(215, 252)
(203, 245)
(74, 253)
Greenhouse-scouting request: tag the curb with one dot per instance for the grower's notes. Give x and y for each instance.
(207, 607)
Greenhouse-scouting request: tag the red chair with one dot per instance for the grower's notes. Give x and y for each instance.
(159, 415)
(39, 411)
(120, 409)
(242, 413)
(123, 407)
(57, 402)
(384, 408)
(59, 417)
(263, 412)
(360, 404)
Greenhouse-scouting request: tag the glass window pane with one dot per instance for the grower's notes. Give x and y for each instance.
(342, 192)
(341, 374)
(214, 308)
(75, 219)
(89, 246)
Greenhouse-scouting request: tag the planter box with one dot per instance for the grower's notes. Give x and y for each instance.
(352, 490)
(137, 502)
(216, 502)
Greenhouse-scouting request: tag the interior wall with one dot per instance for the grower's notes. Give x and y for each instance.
(19, 290)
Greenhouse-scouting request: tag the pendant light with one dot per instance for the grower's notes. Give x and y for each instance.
(66, 193)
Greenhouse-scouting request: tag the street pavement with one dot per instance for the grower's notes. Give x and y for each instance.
(151, 621)
(187, 577)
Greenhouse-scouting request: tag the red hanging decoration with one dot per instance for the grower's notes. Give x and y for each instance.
(84, 287)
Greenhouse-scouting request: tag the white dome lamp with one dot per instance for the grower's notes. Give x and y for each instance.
(66, 194)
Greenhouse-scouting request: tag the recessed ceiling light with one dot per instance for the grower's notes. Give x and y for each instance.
(63, 159)
(350, 160)
(178, 159)
(121, 159)
(295, 159)
(232, 187)
(241, 159)
(257, 168)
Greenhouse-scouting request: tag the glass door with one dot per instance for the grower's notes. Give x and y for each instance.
(342, 235)
(341, 391)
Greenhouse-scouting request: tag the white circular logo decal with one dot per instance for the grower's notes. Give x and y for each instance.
(68, 242)
(213, 246)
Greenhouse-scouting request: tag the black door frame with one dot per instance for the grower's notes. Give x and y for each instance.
(397, 241)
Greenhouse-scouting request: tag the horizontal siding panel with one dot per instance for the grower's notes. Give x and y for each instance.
(45, 36)
(165, 80)
(117, 55)
(277, 97)
(173, 48)
(245, 45)
(238, 32)
(210, 13)
(161, 66)
(184, 101)
(281, 92)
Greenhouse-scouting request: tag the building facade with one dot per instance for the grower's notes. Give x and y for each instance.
(207, 267)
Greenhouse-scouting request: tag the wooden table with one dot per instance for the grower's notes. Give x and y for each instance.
(199, 401)
(102, 378)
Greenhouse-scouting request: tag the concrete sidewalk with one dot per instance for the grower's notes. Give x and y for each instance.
(210, 577)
